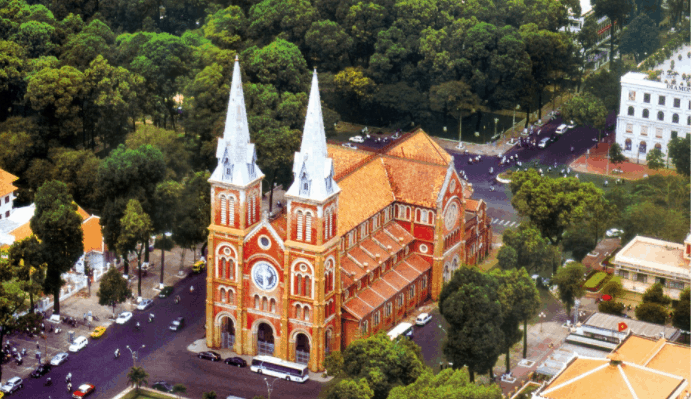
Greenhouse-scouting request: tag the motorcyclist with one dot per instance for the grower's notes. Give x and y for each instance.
(69, 387)
(117, 353)
(137, 325)
(49, 381)
(177, 299)
(191, 289)
(68, 378)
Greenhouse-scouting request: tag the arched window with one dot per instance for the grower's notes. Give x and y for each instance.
(327, 220)
(675, 118)
(256, 301)
(407, 213)
(308, 286)
(231, 297)
(221, 268)
(273, 305)
(627, 145)
(231, 211)
(642, 147)
(658, 146)
(660, 116)
(265, 304)
(688, 119)
(308, 227)
(230, 273)
(646, 113)
(631, 112)
(298, 285)
(298, 313)
(307, 314)
(222, 294)
(300, 221)
(224, 209)
(331, 223)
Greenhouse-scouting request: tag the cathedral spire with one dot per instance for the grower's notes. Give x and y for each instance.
(312, 168)
(236, 155)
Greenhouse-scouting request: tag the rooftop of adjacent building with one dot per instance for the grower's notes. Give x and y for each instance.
(611, 322)
(7, 183)
(653, 253)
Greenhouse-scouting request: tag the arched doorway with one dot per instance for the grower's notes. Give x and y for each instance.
(302, 349)
(227, 332)
(642, 147)
(447, 274)
(265, 340)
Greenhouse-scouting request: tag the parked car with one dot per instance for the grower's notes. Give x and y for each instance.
(209, 355)
(163, 386)
(12, 385)
(614, 232)
(41, 370)
(166, 291)
(123, 317)
(423, 319)
(349, 145)
(563, 128)
(59, 359)
(98, 332)
(544, 142)
(83, 391)
(236, 361)
(357, 139)
(145, 304)
(177, 324)
(79, 344)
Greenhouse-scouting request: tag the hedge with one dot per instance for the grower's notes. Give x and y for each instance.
(594, 282)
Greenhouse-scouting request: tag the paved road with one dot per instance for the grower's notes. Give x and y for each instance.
(165, 357)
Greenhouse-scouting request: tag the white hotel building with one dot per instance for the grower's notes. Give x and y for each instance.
(652, 113)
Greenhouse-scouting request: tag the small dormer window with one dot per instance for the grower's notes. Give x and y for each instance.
(304, 184)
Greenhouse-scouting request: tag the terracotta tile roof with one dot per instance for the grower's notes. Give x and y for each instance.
(84, 214)
(386, 240)
(406, 271)
(93, 238)
(6, 182)
(350, 268)
(346, 281)
(357, 307)
(345, 157)
(415, 183)
(395, 280)
(370, 297)
(418, 263)
(384, 289)
(279, 224)
(375, 249)
(396, 230)
(472, 205)
(419, 146)
(364, 192)
(362, 258)
(22, 232)
(590, 378)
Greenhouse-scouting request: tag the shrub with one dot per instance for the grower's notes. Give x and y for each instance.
(611, 307)
(679, 57)
(651, 312)
(594, 282)
(671, 64)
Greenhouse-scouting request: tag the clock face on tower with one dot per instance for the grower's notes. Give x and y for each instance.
(264, 276)
(450, 216)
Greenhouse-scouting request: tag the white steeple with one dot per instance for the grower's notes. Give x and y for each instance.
(236, 155)
(312, 168)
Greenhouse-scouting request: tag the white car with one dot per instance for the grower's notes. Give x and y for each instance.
(423, 319)
(571, 125)
(566, 262)
(12, 385)
(123, 317)
(614, 232)
(357, 139)
(59, 359)
(348, 145)
(79, 344)
(145, 304)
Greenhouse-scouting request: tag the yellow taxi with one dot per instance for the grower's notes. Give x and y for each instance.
(199, 266)
(98, 331)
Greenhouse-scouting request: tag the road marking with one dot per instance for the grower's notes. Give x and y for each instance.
(494, 220)
(507, 222)
(513, 224)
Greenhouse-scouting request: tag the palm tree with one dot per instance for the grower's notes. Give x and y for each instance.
(138, 377)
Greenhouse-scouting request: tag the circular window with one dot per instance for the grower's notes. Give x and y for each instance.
(423, 248)
(264, 242)
(226, 251)
(303, 267)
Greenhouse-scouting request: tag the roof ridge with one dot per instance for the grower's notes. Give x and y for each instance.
(626, 381)
(656, 349)
(578, 377)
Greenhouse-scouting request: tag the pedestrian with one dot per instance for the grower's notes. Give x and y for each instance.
(571, 148)
(69, 387)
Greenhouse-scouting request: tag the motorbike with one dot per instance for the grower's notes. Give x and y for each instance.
(117, 353)
(151, 317)
(49, 382)
(19, 361)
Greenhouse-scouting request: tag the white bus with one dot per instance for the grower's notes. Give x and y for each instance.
(280, 368)
(405, 329)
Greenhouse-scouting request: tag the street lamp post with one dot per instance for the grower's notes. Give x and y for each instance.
(542, 317)
(134, 354)
(270, 387)
(513, 126)
(495, 129)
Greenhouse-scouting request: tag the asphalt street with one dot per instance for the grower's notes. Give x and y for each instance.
(164, 357)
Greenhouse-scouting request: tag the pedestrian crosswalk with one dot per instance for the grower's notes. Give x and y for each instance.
(505, 223)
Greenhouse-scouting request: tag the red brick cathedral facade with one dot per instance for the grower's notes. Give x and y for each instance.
(364, 238)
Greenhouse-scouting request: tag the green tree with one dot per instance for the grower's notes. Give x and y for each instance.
(192, 220)
(603, 85)
(76, 169)
(587, 36)
(383, 363)
(473, 336)
(82, 48)
(530, 247)
(13, 68)
(655, 159)
(175, 154)
(616, 155)
(11, 301)
(599, 215)
(138, 377)
(552, 205)
(640, 36)
(681, 317)
(610, 307)
(651, 312)
(679, 150)
(586, 109)
(167, 200)
(579, 240)
(655, 294)
(350, 389)
(113, 289)
(58, 226)
(279, 63)
(333, 363)
(329, 45)
(651, 220)
(226, 28)
(447, 384)
(135, 230)
(287, 19)
(507, 257)
(569, 281)
(614, 289)
(27, 264)
(38, 38)
(616, 11)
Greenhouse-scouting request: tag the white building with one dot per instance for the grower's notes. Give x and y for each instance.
(651, 114)
(598, 54)
(7, 195)
(645, 261)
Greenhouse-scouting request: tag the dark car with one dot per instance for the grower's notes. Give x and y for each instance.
(166, 291)
(213, 356)
(41, 371)
(236, 361)
(177, 324)
(163, 386)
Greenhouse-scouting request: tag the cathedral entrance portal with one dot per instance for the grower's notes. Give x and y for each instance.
(227, 332)
(302, 349)
(265, 340)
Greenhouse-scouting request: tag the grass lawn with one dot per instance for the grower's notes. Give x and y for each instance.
(148, 395)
